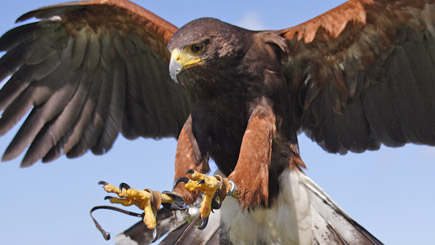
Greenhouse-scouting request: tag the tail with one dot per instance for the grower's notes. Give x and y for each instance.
(330, 223)
(317, 218)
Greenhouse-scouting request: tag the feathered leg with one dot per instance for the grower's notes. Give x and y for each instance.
(251, 174)
(188, 156)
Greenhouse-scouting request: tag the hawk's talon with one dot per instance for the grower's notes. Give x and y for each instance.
(102, 182)
(178, 203)
(173, 206)
(190, 171)
(209, 185)
(147, 200)
(177, 199)
(154, 235)
(182, 179)
(201, 182)
(214, 203)
(124, 186)
(203, 224)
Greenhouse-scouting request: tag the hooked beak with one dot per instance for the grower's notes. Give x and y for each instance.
(181, 60)
(174, 69)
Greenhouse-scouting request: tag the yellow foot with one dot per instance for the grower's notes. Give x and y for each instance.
(147, 200)
(215, 188)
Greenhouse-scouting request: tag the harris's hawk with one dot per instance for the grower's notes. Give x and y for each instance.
(318, 87)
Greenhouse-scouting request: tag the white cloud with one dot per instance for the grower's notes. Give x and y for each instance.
(251, 20)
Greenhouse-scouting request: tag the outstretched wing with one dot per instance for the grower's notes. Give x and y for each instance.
(87, 71)
(364, 74)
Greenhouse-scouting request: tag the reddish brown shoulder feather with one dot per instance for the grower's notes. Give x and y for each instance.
(121, 14)
(332, 23)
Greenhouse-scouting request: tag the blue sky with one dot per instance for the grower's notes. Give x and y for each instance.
(390, 192)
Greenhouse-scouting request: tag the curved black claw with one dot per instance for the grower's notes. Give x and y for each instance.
(102, 182)
(124, 186)
(154, 235)
(107, 197)
(190, 171)
(201, 182)
(180, 179)
(173, 206)
(203, 224)
(178, 202)
(214, 203)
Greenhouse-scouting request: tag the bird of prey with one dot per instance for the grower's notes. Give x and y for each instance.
(353, 78)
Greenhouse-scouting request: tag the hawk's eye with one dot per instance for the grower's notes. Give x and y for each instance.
(197, 48)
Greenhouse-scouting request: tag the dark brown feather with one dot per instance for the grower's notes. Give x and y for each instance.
(74, 146)
(113, 53)
(65, 121)
(367, 74)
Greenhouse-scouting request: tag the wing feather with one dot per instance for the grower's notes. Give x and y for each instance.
(72, 146)
(113, 122)
(48, 96)
(23, 77)
(364, 73)
(87, 71)
(52, 125)
(14, 58)
(60, 128)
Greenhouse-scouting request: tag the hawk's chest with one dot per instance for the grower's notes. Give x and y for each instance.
(218, 126)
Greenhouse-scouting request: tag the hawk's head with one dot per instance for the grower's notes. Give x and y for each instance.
(203, 48)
